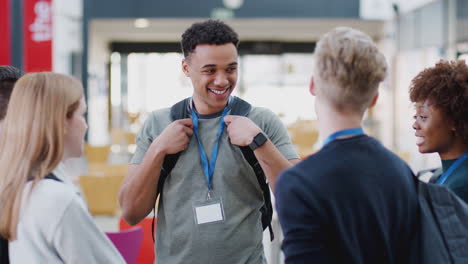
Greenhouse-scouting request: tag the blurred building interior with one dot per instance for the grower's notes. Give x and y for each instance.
(127, 54)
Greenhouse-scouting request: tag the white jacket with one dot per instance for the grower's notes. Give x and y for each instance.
(56, 227)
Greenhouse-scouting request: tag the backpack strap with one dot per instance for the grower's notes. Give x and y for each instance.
(178, 111)
(240, 107)
(243, 108)
(267, 208)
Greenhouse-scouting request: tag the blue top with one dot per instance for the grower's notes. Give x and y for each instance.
(454, 166)
(458, 180)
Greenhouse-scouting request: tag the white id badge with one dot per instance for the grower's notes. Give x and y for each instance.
(209, 211)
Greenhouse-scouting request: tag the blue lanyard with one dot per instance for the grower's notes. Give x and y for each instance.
(346, 132)
(208, 168)
(452, 168)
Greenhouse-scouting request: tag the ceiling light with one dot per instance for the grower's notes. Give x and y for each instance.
(141, 23)
(233, 4)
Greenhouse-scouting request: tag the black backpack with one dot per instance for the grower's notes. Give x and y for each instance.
(241, 108)
(4, 256)
(442, 235)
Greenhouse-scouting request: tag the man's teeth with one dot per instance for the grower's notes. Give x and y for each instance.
(419, 140)
(218, 92)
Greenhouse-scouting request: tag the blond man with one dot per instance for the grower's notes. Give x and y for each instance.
(353, 201)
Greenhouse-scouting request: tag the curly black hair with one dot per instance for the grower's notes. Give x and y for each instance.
(446, 87)
(8, 77)
(214, 32)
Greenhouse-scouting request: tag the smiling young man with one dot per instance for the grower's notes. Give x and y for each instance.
(208, 210)
(440, 94)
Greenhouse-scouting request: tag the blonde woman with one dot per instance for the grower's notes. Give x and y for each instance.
(45, 220)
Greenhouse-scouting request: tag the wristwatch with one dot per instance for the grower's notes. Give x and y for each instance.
(258, 140)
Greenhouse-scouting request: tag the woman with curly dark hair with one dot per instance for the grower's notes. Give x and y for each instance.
(440, 94)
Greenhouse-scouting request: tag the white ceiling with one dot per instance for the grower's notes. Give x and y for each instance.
(170, 30)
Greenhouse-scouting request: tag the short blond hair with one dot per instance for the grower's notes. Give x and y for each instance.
(350, 63)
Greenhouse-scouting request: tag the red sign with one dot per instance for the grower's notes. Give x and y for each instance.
(37, 35)
(5, 50)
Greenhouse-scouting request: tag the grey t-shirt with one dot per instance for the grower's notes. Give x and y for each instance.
(238, 239)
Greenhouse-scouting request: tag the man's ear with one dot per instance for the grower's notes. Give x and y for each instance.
(374, 100)
(185, 67)
(312, 86)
